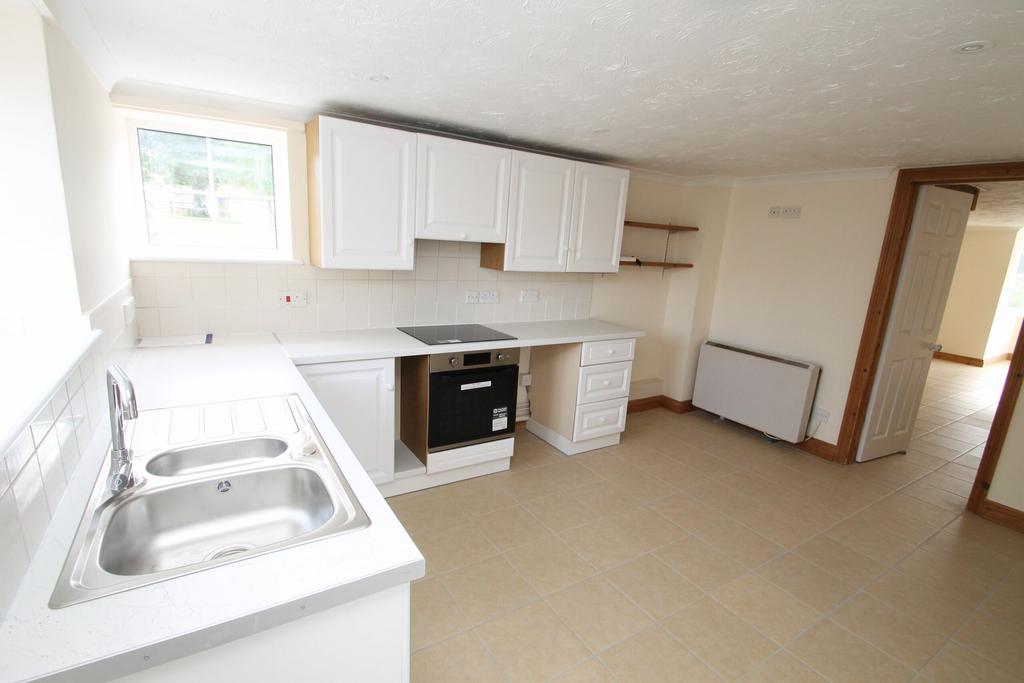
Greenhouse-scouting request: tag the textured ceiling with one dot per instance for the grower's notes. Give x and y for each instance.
(1000, 205)
(691, 87)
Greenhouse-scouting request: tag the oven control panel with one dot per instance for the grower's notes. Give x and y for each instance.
(470, 360)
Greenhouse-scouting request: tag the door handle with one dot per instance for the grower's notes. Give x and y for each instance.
(935, 347)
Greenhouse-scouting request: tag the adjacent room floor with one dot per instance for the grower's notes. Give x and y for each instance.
(956, 414)
(697, 551)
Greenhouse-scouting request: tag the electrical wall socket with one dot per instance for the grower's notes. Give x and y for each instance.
(784, 212)
(128, 310)
(529, 296)
(488, 296)
(471, 296)
(526, 380)
(293, 299)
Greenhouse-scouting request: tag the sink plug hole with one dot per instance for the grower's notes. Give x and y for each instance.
(224, 486)
(227, 551)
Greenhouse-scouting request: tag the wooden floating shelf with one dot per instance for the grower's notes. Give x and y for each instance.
(661, 226)
(655, 264)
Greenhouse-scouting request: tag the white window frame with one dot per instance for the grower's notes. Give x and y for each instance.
(275, 138)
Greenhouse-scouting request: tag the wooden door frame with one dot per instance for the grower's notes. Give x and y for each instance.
(883, 292)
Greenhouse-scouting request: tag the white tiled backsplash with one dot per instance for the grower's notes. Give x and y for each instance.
(35, 470)
(197, 298)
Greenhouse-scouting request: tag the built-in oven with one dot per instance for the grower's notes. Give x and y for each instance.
(471, 397)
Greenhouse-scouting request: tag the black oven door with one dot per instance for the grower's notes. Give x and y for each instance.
(471, 406)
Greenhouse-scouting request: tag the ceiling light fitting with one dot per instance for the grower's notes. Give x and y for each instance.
(973, 46)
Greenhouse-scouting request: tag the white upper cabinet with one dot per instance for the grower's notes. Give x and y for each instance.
(599, 209)
(539, 213)
(461, 190)
(362, 195)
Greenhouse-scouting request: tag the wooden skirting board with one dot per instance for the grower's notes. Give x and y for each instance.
(970, 360)
(639, 404)
(822, 449)
(1002, 514)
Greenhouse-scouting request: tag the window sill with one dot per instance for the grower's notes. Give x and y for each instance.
(151, 258)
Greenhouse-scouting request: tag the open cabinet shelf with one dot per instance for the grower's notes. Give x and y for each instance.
(655, 264)
(660, 226)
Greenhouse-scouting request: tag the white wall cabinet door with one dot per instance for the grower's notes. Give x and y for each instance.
(599, 209)
(359, 397)
(461, 190)
(367, 195)
(540, 213)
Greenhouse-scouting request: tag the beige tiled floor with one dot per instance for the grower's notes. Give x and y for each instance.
(696, 551)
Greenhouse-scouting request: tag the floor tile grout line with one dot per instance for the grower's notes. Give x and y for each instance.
(649, 504)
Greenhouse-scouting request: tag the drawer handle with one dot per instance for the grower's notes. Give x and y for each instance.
(607, 382)
(603, 420)
(611, 352)
(463, 236)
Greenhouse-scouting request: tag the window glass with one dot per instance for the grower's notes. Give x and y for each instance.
(207, 192)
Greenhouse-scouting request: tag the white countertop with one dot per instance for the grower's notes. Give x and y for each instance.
(117, 634)
(120, 633)
(388, 342)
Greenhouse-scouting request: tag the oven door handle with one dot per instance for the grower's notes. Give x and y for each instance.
(475, 385)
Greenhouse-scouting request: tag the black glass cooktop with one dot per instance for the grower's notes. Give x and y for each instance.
(454, 334)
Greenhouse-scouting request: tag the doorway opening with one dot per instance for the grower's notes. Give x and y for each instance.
(909, 185)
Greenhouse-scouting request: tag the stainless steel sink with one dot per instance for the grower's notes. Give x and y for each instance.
(224, 482)
(215, 456)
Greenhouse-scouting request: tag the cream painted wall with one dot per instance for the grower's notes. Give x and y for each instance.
(974, 295)
(1008, 480)
(94, 169)
(36, 267)
(671, 306)
(800, 288)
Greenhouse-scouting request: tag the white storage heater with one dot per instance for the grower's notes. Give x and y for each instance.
(765, 392)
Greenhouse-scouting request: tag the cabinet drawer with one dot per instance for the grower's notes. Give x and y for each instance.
(600, 419)
(604, 382)
(611, 351)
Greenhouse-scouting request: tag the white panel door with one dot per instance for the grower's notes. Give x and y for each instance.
(539, 213)
(936, 233)
(359, 397)
(461, 190)
(368, 191)
(599, 209)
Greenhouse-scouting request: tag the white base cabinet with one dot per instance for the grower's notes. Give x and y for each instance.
(359, 397)
(580, 393)
(364, 640)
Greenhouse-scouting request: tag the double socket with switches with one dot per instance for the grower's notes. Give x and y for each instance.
(292, 299)
(481, 296)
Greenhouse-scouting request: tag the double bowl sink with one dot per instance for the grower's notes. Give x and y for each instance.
(216, 483)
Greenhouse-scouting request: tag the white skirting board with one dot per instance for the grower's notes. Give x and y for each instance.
(565, 445)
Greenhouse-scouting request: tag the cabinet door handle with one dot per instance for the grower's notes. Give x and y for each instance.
(463, 236)
(389, 387)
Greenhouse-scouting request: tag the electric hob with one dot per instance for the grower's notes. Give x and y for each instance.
(454, 334)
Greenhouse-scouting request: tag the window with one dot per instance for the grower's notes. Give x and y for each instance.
(212, 190)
